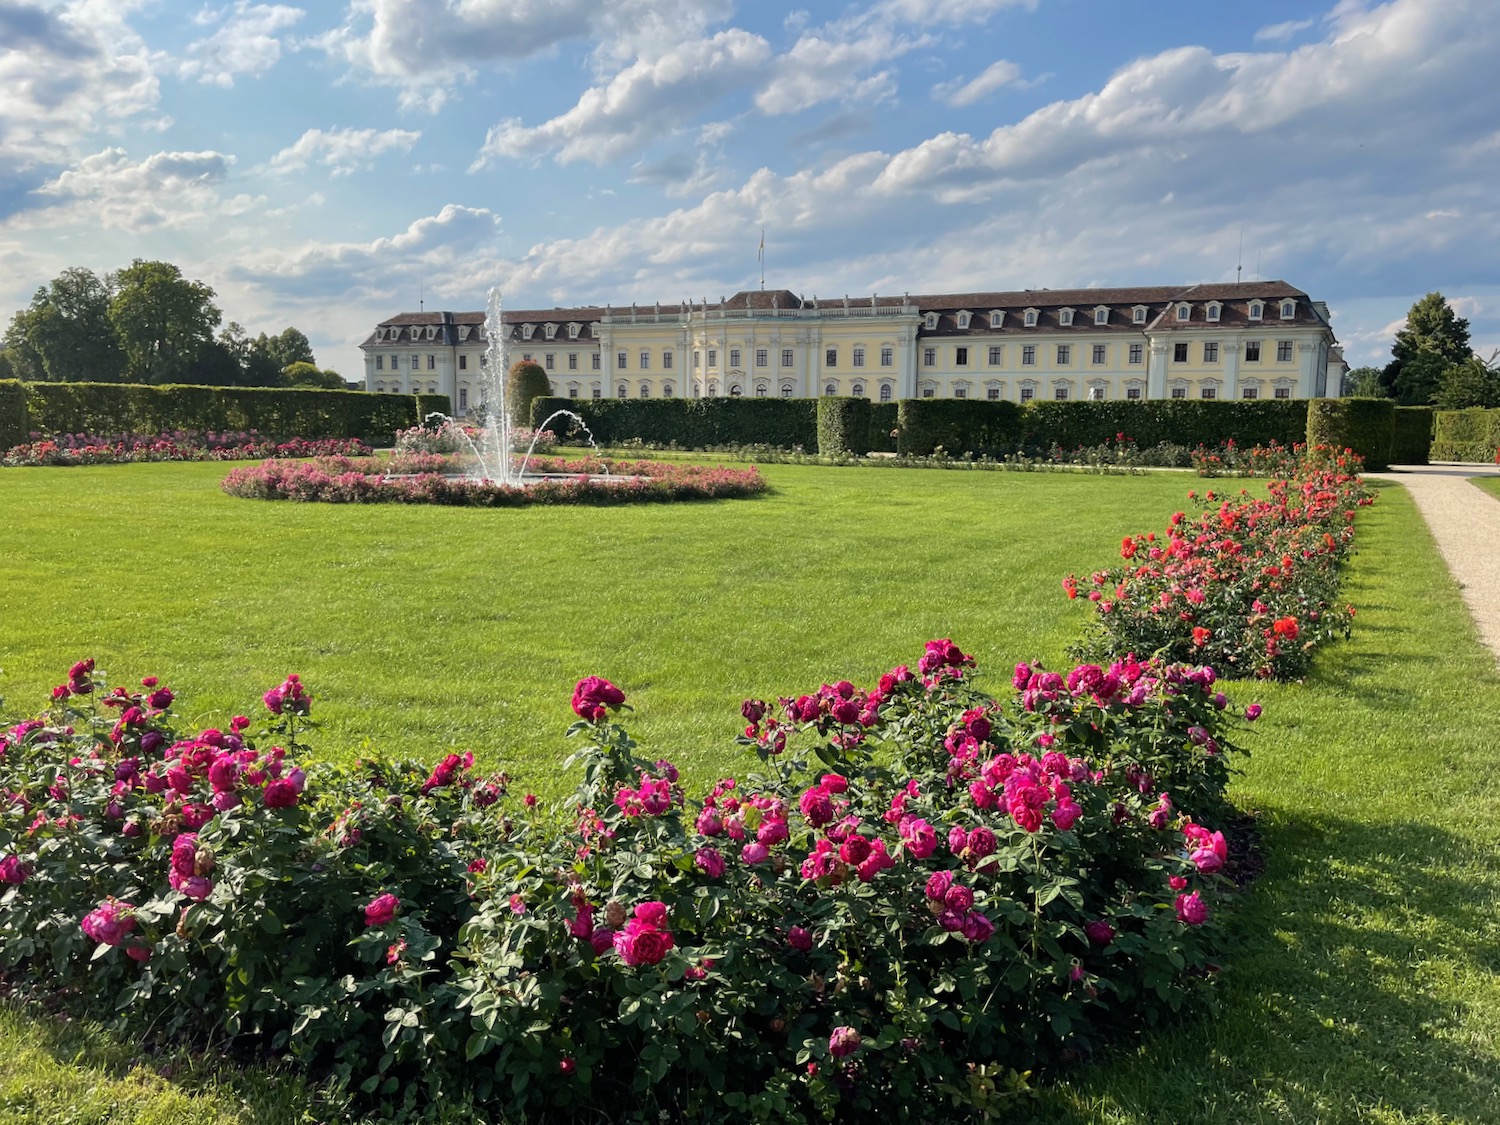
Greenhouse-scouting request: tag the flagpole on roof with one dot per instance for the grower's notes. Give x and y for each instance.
(762, 256)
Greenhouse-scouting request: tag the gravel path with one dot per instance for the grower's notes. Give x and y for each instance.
(1465, 521)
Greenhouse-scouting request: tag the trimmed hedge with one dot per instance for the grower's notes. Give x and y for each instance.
(1365, 425)
(275, 412)
(843, 426)
(957, 426)
(13, 428)
(883, 423)
(1179, 421)
(1466, 435)
(690, 423)
(1412, 442)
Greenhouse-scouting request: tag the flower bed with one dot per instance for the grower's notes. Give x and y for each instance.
(459, 440)
(179, 445)
(1249, 586)
(344, 481)
(921, 894)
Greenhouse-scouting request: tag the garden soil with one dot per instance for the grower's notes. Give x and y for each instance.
(1465, 521)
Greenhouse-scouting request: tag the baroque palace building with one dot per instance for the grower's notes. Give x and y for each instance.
(1241, 340)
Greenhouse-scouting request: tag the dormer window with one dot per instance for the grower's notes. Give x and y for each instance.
(1065, 317)
(931, 321)
(1138, 315)
(463, 333)
(1255, 310)
(573, 331)
(1184, 312)
(1288, 309)
(431, 331)
(1030, 318)
(996, 318)
(963, 320)
(527, 330)
(1101, 315)
(1213, 310)
(550, 330)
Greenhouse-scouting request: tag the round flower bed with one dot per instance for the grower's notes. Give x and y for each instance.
(920, 894)
(341, 480)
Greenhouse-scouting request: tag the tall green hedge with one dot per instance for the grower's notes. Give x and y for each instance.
(957, 426)
(843, 425)
(1412, 443)
(1466, 435)
(1365, 425)
(14, 425)
(57, 408)
(883, 423)
(692, 423)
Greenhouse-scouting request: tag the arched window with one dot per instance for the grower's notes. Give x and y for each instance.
(666, 391)
(830, 389)
(645, 390)
(885, 392)
(858, 390)
(787, 390)
(761, 390)
(713, 388)
(620, 391)
(734, 391)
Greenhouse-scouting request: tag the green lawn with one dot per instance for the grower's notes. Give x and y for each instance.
(1366, 987)
(1489, 484)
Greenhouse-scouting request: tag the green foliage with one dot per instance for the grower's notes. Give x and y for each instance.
(843, 426)
(56, 408)
(526, 381)
(303, 374)
(1365, 425)
(67, 330)
(1434, 339)
(958, 426)
(884, 420)
(689, 423)
(1470, 383)
(163, 320)
(1364, 382)
(1466, 435)
(1411, 441)
(15, 425)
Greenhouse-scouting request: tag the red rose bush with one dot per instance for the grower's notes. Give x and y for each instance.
(918, 894)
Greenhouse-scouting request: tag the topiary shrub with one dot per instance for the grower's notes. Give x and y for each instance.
(1471, 435)
(958, 426)
(843, 426)
(15, 424)
(527, 381)
(1365, 425)
(1411, 442)
(689, 423)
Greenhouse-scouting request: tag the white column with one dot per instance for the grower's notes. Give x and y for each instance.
(1307, 374)
(1231, 369)
(1156, 373)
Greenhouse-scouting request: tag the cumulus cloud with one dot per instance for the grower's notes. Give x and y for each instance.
(1277, 32)
(65, 71)
(648, 98)
(247, 42)
(341, 151)
(166, 189)
(998, 74)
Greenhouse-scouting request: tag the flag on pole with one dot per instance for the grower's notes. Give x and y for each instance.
(760, 255)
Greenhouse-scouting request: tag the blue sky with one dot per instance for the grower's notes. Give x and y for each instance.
(330, 165)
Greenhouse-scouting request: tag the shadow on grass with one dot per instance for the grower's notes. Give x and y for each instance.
(1362, 964)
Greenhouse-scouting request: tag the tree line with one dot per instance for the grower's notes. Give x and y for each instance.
(1431, 364)
(147, 323)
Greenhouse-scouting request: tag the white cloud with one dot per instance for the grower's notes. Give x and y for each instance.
(1279, 32)
(66, 71)
(997, 75)
(342, 151)
(166, 189)
(648, 98)
(246, 43)
(835, 63)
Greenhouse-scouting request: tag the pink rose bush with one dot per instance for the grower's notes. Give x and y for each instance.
(1248, 585)
(179, 445)
(801, 932)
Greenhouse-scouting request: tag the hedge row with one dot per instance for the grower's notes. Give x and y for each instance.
(691, 423)
(844, 426)
(960, 426)
(1412, 442)
(277, 413)
(1365, 425)
(1466, 435)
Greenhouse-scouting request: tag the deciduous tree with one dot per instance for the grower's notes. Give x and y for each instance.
(164, 320)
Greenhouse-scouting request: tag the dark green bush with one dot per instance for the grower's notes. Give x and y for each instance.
(1365, 425)
(958, 426)
(1412, 443)
(843, 426)
(691, 423)
(528, 380)
(1178, 421)
(883, 423)
(275, 412)
(13, 422)
(1466, 435)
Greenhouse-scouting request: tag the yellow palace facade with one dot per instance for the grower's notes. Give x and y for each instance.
(1247, 340)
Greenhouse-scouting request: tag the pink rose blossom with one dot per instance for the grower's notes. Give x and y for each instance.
(843, 1042)
(594, 697)
(799, 939)
(381, 910)
(1191, 909)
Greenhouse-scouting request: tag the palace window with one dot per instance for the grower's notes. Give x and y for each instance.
(1283, 351)
(1255, 310)
(963, 320)
(1065, 318)
(463, 363)
(645, 361)
(992, 393)
(885, 392)
(1060, 394)
(666, 391)
(1098, 354)
(928, 392)
(961, 357)
(1133, 394)
(787, 390)
(1250, 392)
(1184, 312)
(1213, 310)
(995, 354)
(931, 321)
(1137, 353)
(713, 357)
(996, 318)
(620, 391)
(734, 357)
(1179, 392)
(1209, 392)
(761, 390)
(1028, 355)
(1283, 392)
(1252, 351)
(620, 361)
(787, 358)
(380, 363)
(1096, 393)
(1030, 318)
(960, 392)
(666, 361)
(859, 357)
(762, 357)
(645, 390)
(550, 330)
(594, 361)
(572, 392)
(858, 390)
(1027, 394)
(929, 357)
(431, 362)
(1179, 353)
(527, 330)
(1138, 316)
(1210, 353)
(830, 389)
(572, 331)
(1101, 316)
(887, 357)
(463, 398)
(598, 392)
(1064, 354)
(831, 357)
(1288, 309)
(549, 362)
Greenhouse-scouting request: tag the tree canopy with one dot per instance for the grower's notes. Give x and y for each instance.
(1434, 339)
